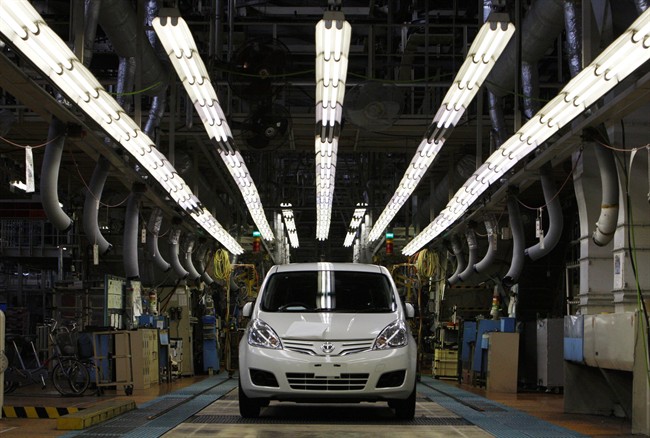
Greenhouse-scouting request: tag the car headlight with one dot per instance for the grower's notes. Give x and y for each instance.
(262, 335)
(392, 336)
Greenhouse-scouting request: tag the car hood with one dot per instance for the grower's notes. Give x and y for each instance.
(327, 325)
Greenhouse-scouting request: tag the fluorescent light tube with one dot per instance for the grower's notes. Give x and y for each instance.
(483, 53)
(357, 218)
(613, 65)
(333, 34)
(290, 224)
(179, 44)
(30, 35)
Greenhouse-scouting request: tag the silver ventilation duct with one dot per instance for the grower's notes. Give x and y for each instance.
(518, 243)
(91, 205)
(157, 109)
(130, 250)
(460, 259)
(555, 217)
(641, 6)
(495, 103)
(50, 176)
(153, 232)
(187, 263)
(542, 24)
(125, 82)
(156, 113)
(470, 236)
(174, 240)
(530, 88)
(606, 225)
(118, 19)
(573, 37)
(202, 252)
(91, 18)
(499, 129)
(492, 228)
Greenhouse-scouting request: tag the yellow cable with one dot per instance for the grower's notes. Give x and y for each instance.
(222, 267)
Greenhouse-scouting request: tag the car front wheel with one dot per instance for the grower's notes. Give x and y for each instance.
(248, 407)
(404, 409)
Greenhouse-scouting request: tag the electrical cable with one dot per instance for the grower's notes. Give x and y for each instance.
(633, 263)
(566, 180)
(222, 266)
(90, 191)
(25, 146)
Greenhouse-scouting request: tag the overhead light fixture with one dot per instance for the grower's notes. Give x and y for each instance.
(333, 34)
(486, 48)
(357, 218)
(615, 63)
(239, 172)
(18, 185)
(178, 42)
(21, 24)
(290, 224)
(491, 40)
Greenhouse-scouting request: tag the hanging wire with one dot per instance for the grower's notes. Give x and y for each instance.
(6, 140)
(557, 193)
(647, 146)
(643, 310)
(136, 92)
(90, 191)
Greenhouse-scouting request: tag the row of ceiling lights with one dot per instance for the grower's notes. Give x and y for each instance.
(29, 33)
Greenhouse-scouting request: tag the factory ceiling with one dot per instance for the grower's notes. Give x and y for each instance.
(260, 56)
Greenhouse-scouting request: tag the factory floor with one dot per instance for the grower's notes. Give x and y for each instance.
(207, 406)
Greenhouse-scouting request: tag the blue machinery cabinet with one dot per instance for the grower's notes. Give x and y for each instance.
(474, 349)
(210, 352)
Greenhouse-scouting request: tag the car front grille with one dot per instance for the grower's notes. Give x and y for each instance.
(339, 348)
(313, 382)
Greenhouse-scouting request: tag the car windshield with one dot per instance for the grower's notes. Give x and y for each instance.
(328, 291)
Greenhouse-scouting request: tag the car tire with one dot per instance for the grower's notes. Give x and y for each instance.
(248, 407)
(404, 409)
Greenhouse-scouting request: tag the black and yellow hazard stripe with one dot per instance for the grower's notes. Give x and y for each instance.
(36, 411)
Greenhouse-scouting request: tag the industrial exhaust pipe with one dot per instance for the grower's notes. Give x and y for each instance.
(492, 228)
(131, 266)
(202, 253)
(153, 231)
(174, 238)
(518, 243)
(193, 274)
(555, 217)
(91, 206)
(460, 259)
(119, 21)
(470, 235)
(606, 225)
(159, 100)
(50, 176)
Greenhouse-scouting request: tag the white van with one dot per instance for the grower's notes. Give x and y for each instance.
(327, 332)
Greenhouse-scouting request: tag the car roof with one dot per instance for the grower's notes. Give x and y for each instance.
(328, 266)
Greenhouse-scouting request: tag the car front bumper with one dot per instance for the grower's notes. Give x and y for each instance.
(362, 376)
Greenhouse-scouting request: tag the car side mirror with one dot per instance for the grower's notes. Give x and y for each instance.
(247, 310)
(410, 310)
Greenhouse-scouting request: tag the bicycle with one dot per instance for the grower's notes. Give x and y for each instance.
(69, 375)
